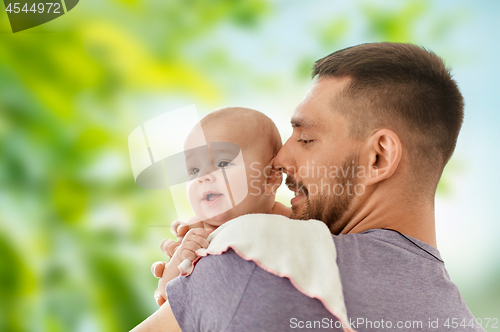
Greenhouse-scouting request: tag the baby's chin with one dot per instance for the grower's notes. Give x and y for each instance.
(222, 218)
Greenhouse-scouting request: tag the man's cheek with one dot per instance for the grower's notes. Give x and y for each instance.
(314, 189)
(304, 171)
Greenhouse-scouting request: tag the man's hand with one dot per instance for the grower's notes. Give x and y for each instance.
(163, 320)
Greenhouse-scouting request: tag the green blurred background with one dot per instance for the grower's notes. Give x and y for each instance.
(77, 236)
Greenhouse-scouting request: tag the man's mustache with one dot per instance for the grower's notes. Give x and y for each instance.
(295, 185)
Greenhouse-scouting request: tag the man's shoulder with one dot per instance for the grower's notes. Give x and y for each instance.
(226, 261)
(384, 243)
(212, 271)
(404, 276)
(210, 295)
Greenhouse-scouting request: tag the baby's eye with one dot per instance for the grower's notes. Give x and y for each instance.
(223, 164)
(194, 171)
(305, 141)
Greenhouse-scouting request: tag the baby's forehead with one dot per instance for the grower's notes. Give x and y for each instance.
(212, 152)
(251, 130)
(215, 131)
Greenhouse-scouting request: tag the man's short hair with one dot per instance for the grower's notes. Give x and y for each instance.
(404, 88)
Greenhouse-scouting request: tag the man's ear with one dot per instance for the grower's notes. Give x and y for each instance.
(385, 151)
(274, 177)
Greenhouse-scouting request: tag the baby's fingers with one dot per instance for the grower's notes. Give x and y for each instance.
(182, 230)
(174, 228)
(188, 250)
(199, 240)
(168, 247)
(197, 231)
(188, 254)
(157, 269)
(159, 298)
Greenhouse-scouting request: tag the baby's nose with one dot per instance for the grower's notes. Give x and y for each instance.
(208, 177)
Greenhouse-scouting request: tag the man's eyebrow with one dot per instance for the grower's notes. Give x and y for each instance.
(298, 122)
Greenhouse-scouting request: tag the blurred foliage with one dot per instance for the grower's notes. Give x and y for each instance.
(454, 168)
(77, 236)
(73, 224)
(398, 24)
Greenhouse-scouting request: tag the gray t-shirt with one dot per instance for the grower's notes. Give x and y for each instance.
(390, 283)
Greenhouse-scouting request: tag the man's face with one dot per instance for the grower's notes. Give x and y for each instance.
(320, 159)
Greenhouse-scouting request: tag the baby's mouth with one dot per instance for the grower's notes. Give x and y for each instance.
(211, 197)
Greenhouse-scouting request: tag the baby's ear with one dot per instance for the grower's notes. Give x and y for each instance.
(274, 177)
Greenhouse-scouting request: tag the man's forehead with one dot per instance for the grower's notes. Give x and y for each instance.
(309, 116)
(318, 107)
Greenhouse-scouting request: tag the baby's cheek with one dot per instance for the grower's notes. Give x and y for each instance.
(256, 184)
(191, 190)
(193, 196)
(237, 181)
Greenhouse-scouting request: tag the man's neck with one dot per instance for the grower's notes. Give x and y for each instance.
(415, 220)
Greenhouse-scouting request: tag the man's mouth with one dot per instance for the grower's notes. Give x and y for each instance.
(299, 196)
(299, 191)
(298, 188)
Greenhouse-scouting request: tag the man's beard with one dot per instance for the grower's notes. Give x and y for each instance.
(328, 207)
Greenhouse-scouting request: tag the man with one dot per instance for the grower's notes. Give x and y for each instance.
(370, 141)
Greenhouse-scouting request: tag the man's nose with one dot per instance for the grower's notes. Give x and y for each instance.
(283, 160)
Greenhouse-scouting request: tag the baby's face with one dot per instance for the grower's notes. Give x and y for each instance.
(216, 178)
(224, 181)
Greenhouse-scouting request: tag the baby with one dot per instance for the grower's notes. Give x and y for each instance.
(229, 177)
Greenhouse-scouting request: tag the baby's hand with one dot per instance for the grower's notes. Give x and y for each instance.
(281, 209)
(194, 239)
(169, 247)
(179, 229)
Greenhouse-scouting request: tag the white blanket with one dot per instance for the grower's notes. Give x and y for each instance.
(302, 251)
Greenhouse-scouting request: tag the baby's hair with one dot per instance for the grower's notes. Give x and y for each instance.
(264, 130)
